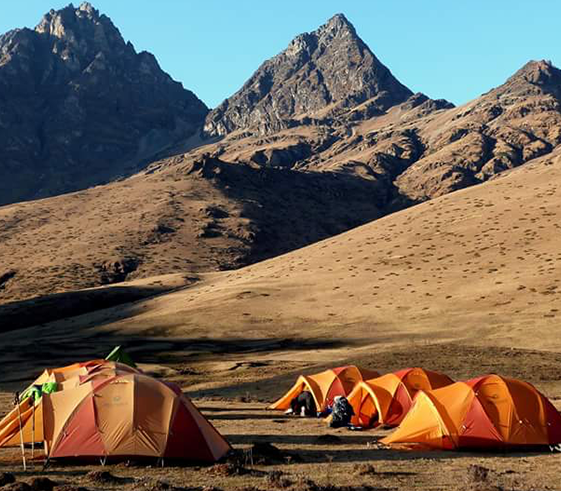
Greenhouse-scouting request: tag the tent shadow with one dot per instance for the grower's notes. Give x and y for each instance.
(358, 440)
(243, 416)
(361, 452)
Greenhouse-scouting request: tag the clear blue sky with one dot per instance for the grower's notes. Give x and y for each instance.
(444, 48)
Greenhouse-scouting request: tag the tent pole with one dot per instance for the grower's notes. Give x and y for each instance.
(21, 433)
(33, 432)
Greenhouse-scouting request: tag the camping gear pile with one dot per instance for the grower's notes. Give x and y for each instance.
(434, 412)
(106, 409)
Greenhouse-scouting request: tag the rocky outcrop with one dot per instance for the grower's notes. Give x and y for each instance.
(79, 106)
(329, 70)
(504, 128)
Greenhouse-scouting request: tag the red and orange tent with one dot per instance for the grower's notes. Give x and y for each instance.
(324, 386)
(387, 399)
(131, 415)
(485, 412)
(114, 411)
(60, 374)
(27, 417)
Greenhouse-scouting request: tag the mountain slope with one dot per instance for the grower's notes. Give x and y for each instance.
(330, 68)
(190, 217)
(480, 266)
(242, 200)
(78, 106)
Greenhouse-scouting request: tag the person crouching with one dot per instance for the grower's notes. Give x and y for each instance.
(303, 404)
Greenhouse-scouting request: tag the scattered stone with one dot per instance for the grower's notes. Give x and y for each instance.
(365, 469)
(102, 477)
(6, 478)
(17, 486)
(278, 479)
(227, 470)
(42, 484)
(328, 439)
(477, 473)
(148, 484)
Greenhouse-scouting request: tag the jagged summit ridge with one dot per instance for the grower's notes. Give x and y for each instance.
(79, 106)
(328, 69)
(338, 25)
(540, 73)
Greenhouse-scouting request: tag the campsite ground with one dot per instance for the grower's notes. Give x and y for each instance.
(234, 398)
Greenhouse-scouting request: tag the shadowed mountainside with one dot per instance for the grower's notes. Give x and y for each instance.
(191, 217)
(79, 106)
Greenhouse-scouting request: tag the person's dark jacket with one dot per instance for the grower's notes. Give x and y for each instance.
(304, 400)
(342, 413)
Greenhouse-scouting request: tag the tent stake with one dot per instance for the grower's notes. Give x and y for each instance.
(21, 433)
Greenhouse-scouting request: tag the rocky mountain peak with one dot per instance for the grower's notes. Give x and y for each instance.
(540, 72)
(537, 77)
(88, 8)
(329, 70)
(81, 30)
(337, 25)
(79, 105)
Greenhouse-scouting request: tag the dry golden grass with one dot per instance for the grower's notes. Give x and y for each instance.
(75, 241)
(480, 265)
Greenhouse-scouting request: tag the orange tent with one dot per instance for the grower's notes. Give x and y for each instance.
(60, 374)
(489, 411)
(387, 399)
(107, 369)
(28, 417)
(131, 415)
(326, 385)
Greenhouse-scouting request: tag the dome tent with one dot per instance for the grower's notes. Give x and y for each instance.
(28, 414)
(115, 415)
(131, 415)
(324, 386)
(387, 399)
(485, 412)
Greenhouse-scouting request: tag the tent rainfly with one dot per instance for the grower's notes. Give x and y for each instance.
(51, 380)
(113, 411)
(324, 386)
(387, 399)
(485, 412)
